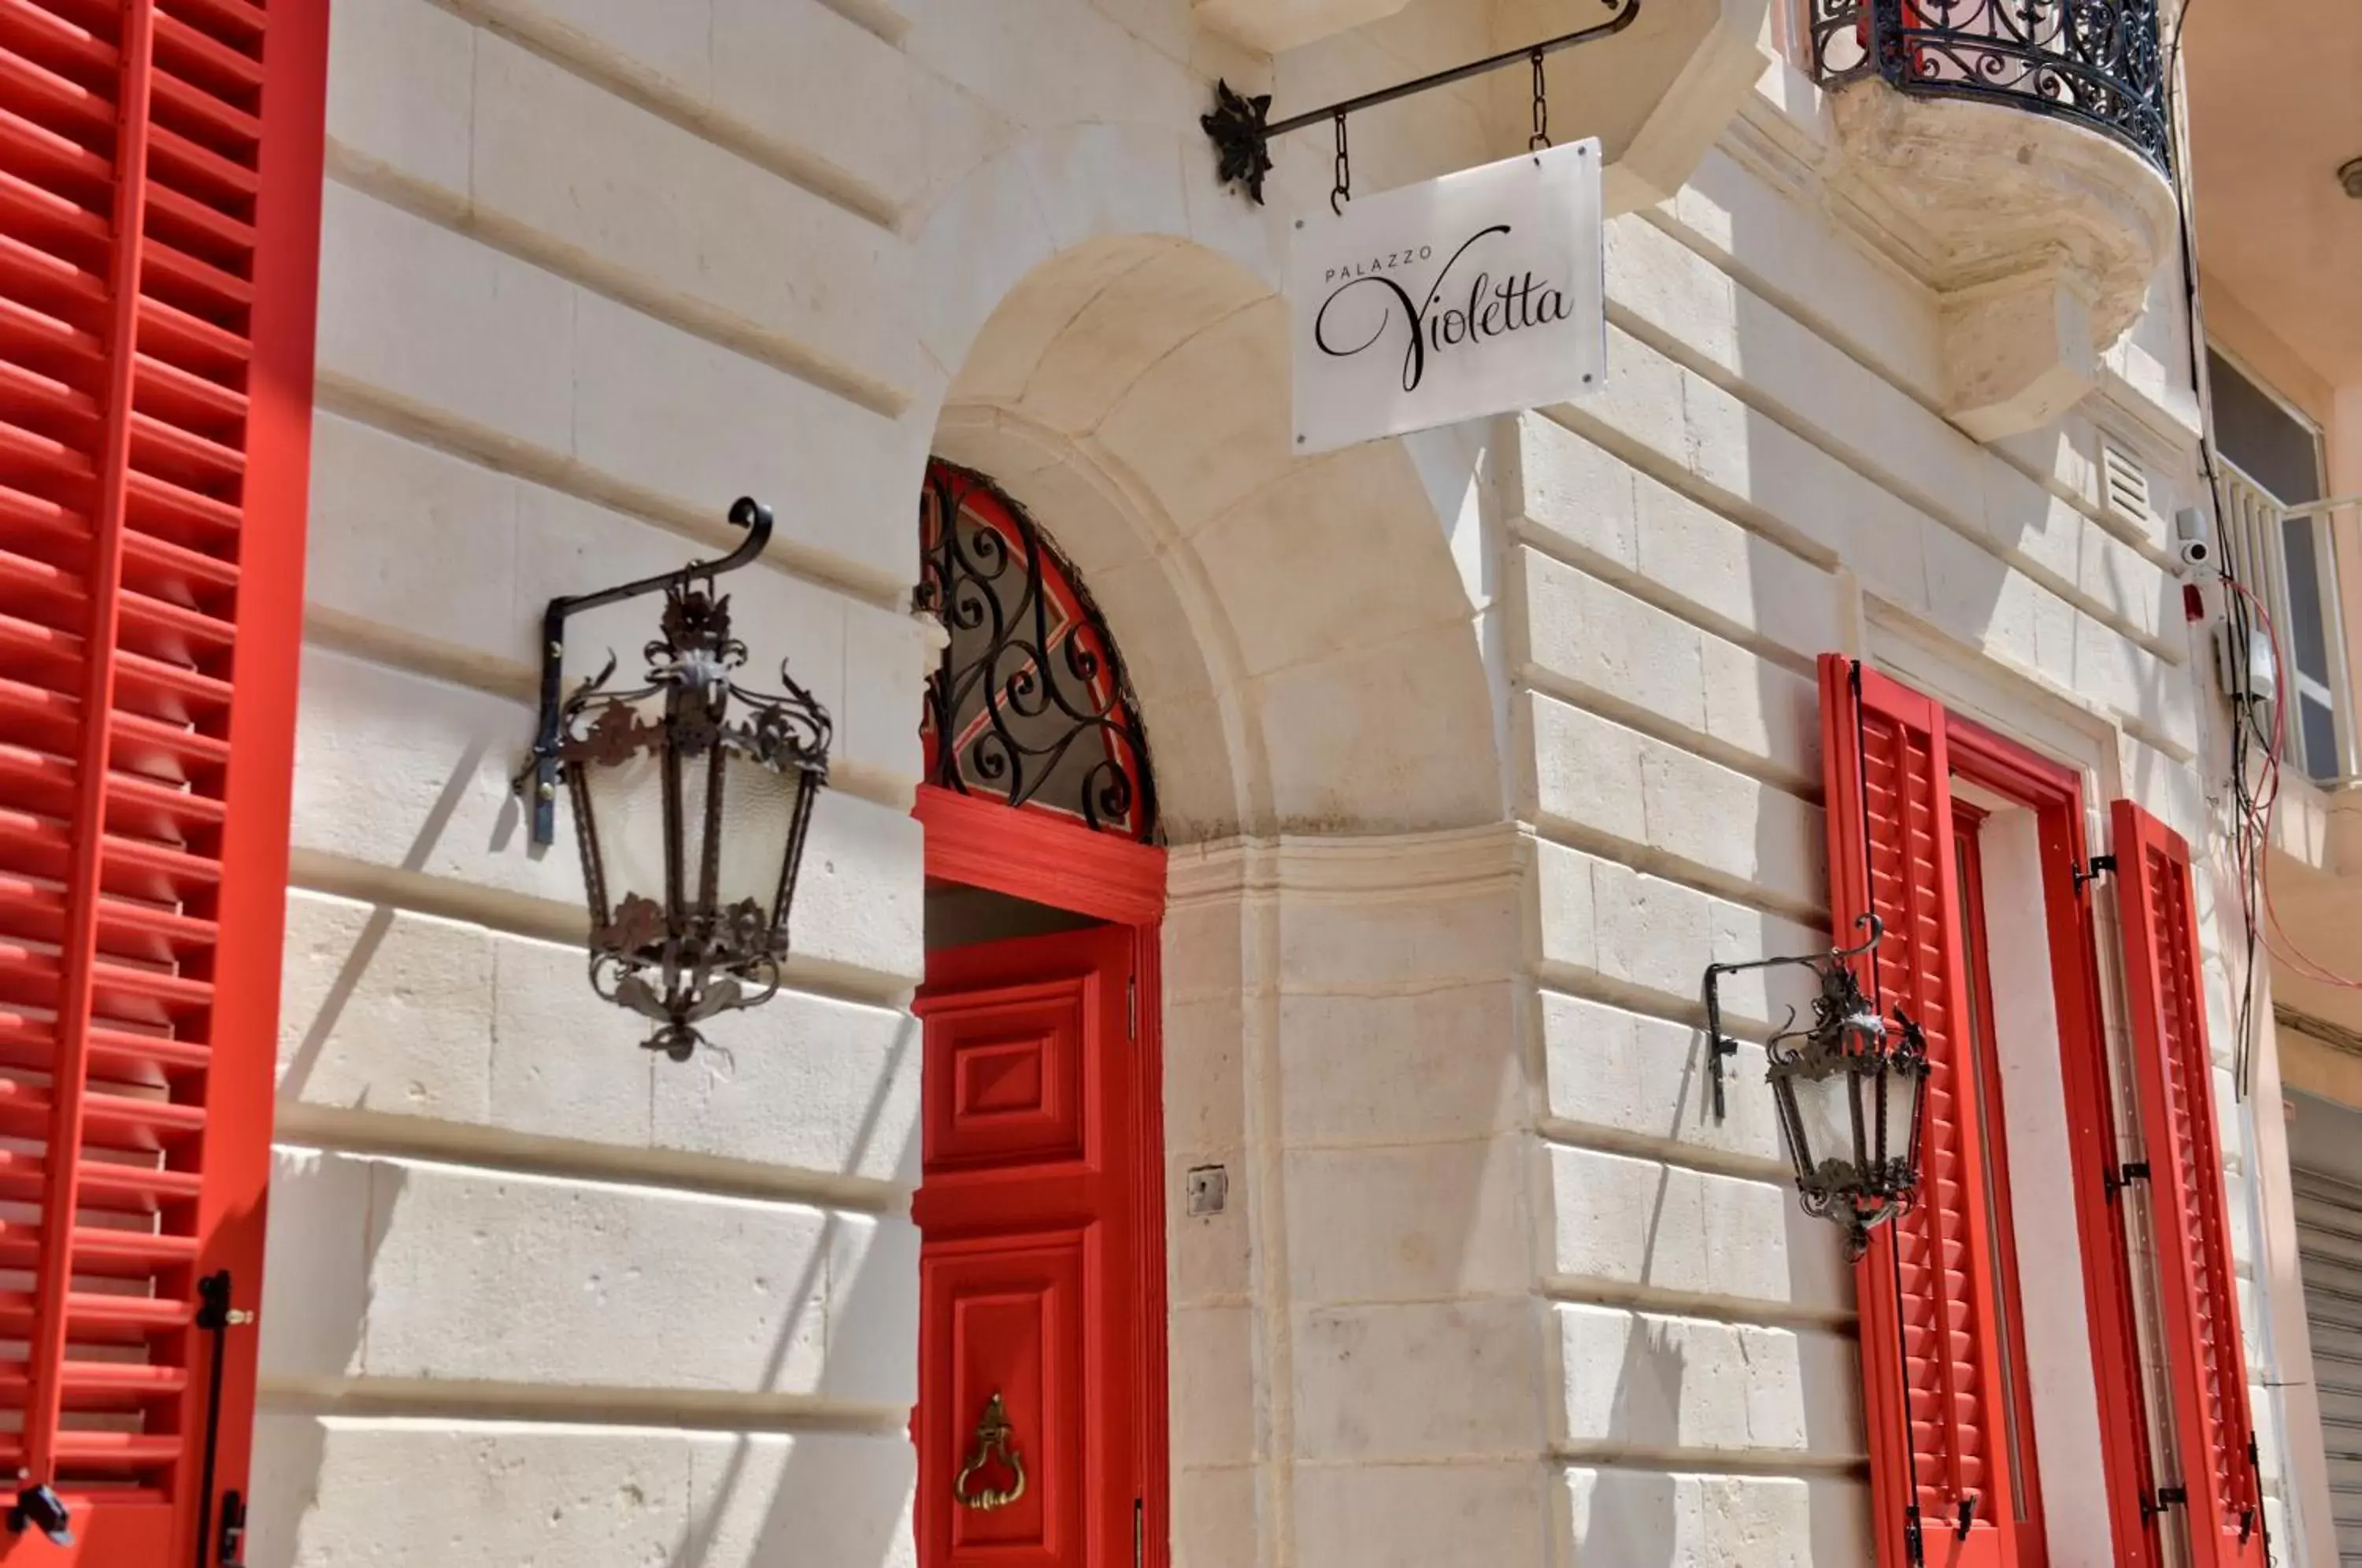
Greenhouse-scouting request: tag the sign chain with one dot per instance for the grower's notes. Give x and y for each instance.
(1541, 138)
(1342, 191)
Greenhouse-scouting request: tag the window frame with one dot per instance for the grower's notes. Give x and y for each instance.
(2054, 792)
(2333, 690)
(1861, 704)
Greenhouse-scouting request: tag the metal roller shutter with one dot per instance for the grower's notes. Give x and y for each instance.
(2329, 1247)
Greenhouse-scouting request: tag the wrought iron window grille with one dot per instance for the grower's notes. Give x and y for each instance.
(1241, 128)
(1029, 704)
(2097, 63)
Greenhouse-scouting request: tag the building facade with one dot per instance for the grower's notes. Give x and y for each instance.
(2278, 218)
(1284, 1135)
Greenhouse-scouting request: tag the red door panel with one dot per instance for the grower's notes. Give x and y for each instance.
(1005, 1082)
(1029, 1263)
(1014, 1313)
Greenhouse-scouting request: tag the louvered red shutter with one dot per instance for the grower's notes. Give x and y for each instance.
(2177, 1091)
(160, 169)
(1890, 832)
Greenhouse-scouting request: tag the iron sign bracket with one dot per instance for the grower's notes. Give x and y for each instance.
(1240, 127)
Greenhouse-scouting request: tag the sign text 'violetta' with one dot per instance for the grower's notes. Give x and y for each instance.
(1473, 294)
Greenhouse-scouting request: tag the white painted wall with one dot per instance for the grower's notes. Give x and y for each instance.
(1474, 752)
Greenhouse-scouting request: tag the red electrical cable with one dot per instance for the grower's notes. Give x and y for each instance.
(2254, 859)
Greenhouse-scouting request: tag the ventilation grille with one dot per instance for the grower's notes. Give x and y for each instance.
(2123, 486)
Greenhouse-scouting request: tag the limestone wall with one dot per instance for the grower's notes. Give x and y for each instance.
(1477, 747)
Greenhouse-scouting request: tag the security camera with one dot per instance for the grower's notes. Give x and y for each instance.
(2193, 536)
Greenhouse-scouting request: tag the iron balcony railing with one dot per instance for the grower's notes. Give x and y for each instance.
(2286, 562)
(2096, 62)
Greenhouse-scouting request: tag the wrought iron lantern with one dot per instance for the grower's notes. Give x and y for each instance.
(692, 798)
(1848, 1089)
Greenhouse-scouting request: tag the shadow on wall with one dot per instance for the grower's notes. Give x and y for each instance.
(838, 1497)
(420, 1468)
(313, 1197)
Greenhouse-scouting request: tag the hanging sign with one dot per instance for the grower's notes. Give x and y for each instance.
(1474, 295)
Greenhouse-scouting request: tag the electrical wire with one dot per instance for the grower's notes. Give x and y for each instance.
(2277, 940)
(2247, 849)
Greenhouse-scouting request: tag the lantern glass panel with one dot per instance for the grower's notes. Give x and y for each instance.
(1825, 1111)
(1900, 1085)
(758, 816)
(627, 810)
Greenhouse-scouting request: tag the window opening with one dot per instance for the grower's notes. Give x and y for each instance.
(2000, 1234)
(2278, 452)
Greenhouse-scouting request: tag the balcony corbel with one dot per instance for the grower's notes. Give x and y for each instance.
(2011, 155)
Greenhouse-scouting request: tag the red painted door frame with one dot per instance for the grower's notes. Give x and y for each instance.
(2054, 792)
(1034, 855)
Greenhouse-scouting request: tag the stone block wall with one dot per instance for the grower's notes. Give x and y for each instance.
(1480, 747)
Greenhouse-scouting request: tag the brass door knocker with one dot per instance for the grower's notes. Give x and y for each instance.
(991, 1437)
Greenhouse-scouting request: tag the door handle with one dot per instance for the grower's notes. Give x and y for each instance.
(992, 1434)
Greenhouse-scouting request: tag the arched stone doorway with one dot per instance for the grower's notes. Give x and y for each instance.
(1310, 645)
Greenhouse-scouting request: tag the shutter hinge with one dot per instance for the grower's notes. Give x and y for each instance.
(2092, 870)
(2123, 1176)
(2251, 1519)
(1131, 1008)
(1968, 1517)
(216, 1317)
(2165, 1497)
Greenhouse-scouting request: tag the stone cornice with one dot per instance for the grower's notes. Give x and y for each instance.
(1447, 863)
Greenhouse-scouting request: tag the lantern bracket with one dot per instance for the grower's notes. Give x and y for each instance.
(538, 781)
(1720, 1046)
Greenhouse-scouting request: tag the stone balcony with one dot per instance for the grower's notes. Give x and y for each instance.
(2014, 155)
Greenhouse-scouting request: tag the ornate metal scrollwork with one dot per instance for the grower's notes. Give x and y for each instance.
(1029, 706)
(1847, 1087)
(2099, 62)
(1860, 1188)
(679, 953)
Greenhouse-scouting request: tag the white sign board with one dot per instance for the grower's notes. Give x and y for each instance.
(1474, 295)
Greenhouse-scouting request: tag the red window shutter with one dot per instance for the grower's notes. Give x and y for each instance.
(2176, 1093)
(159, 171)
(1890, 831)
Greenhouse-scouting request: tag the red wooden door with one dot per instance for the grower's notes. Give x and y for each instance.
(1029, 1279)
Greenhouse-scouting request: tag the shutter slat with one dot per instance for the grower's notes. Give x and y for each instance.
(159, 212)
(2206, 1360)
(1890, 852)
